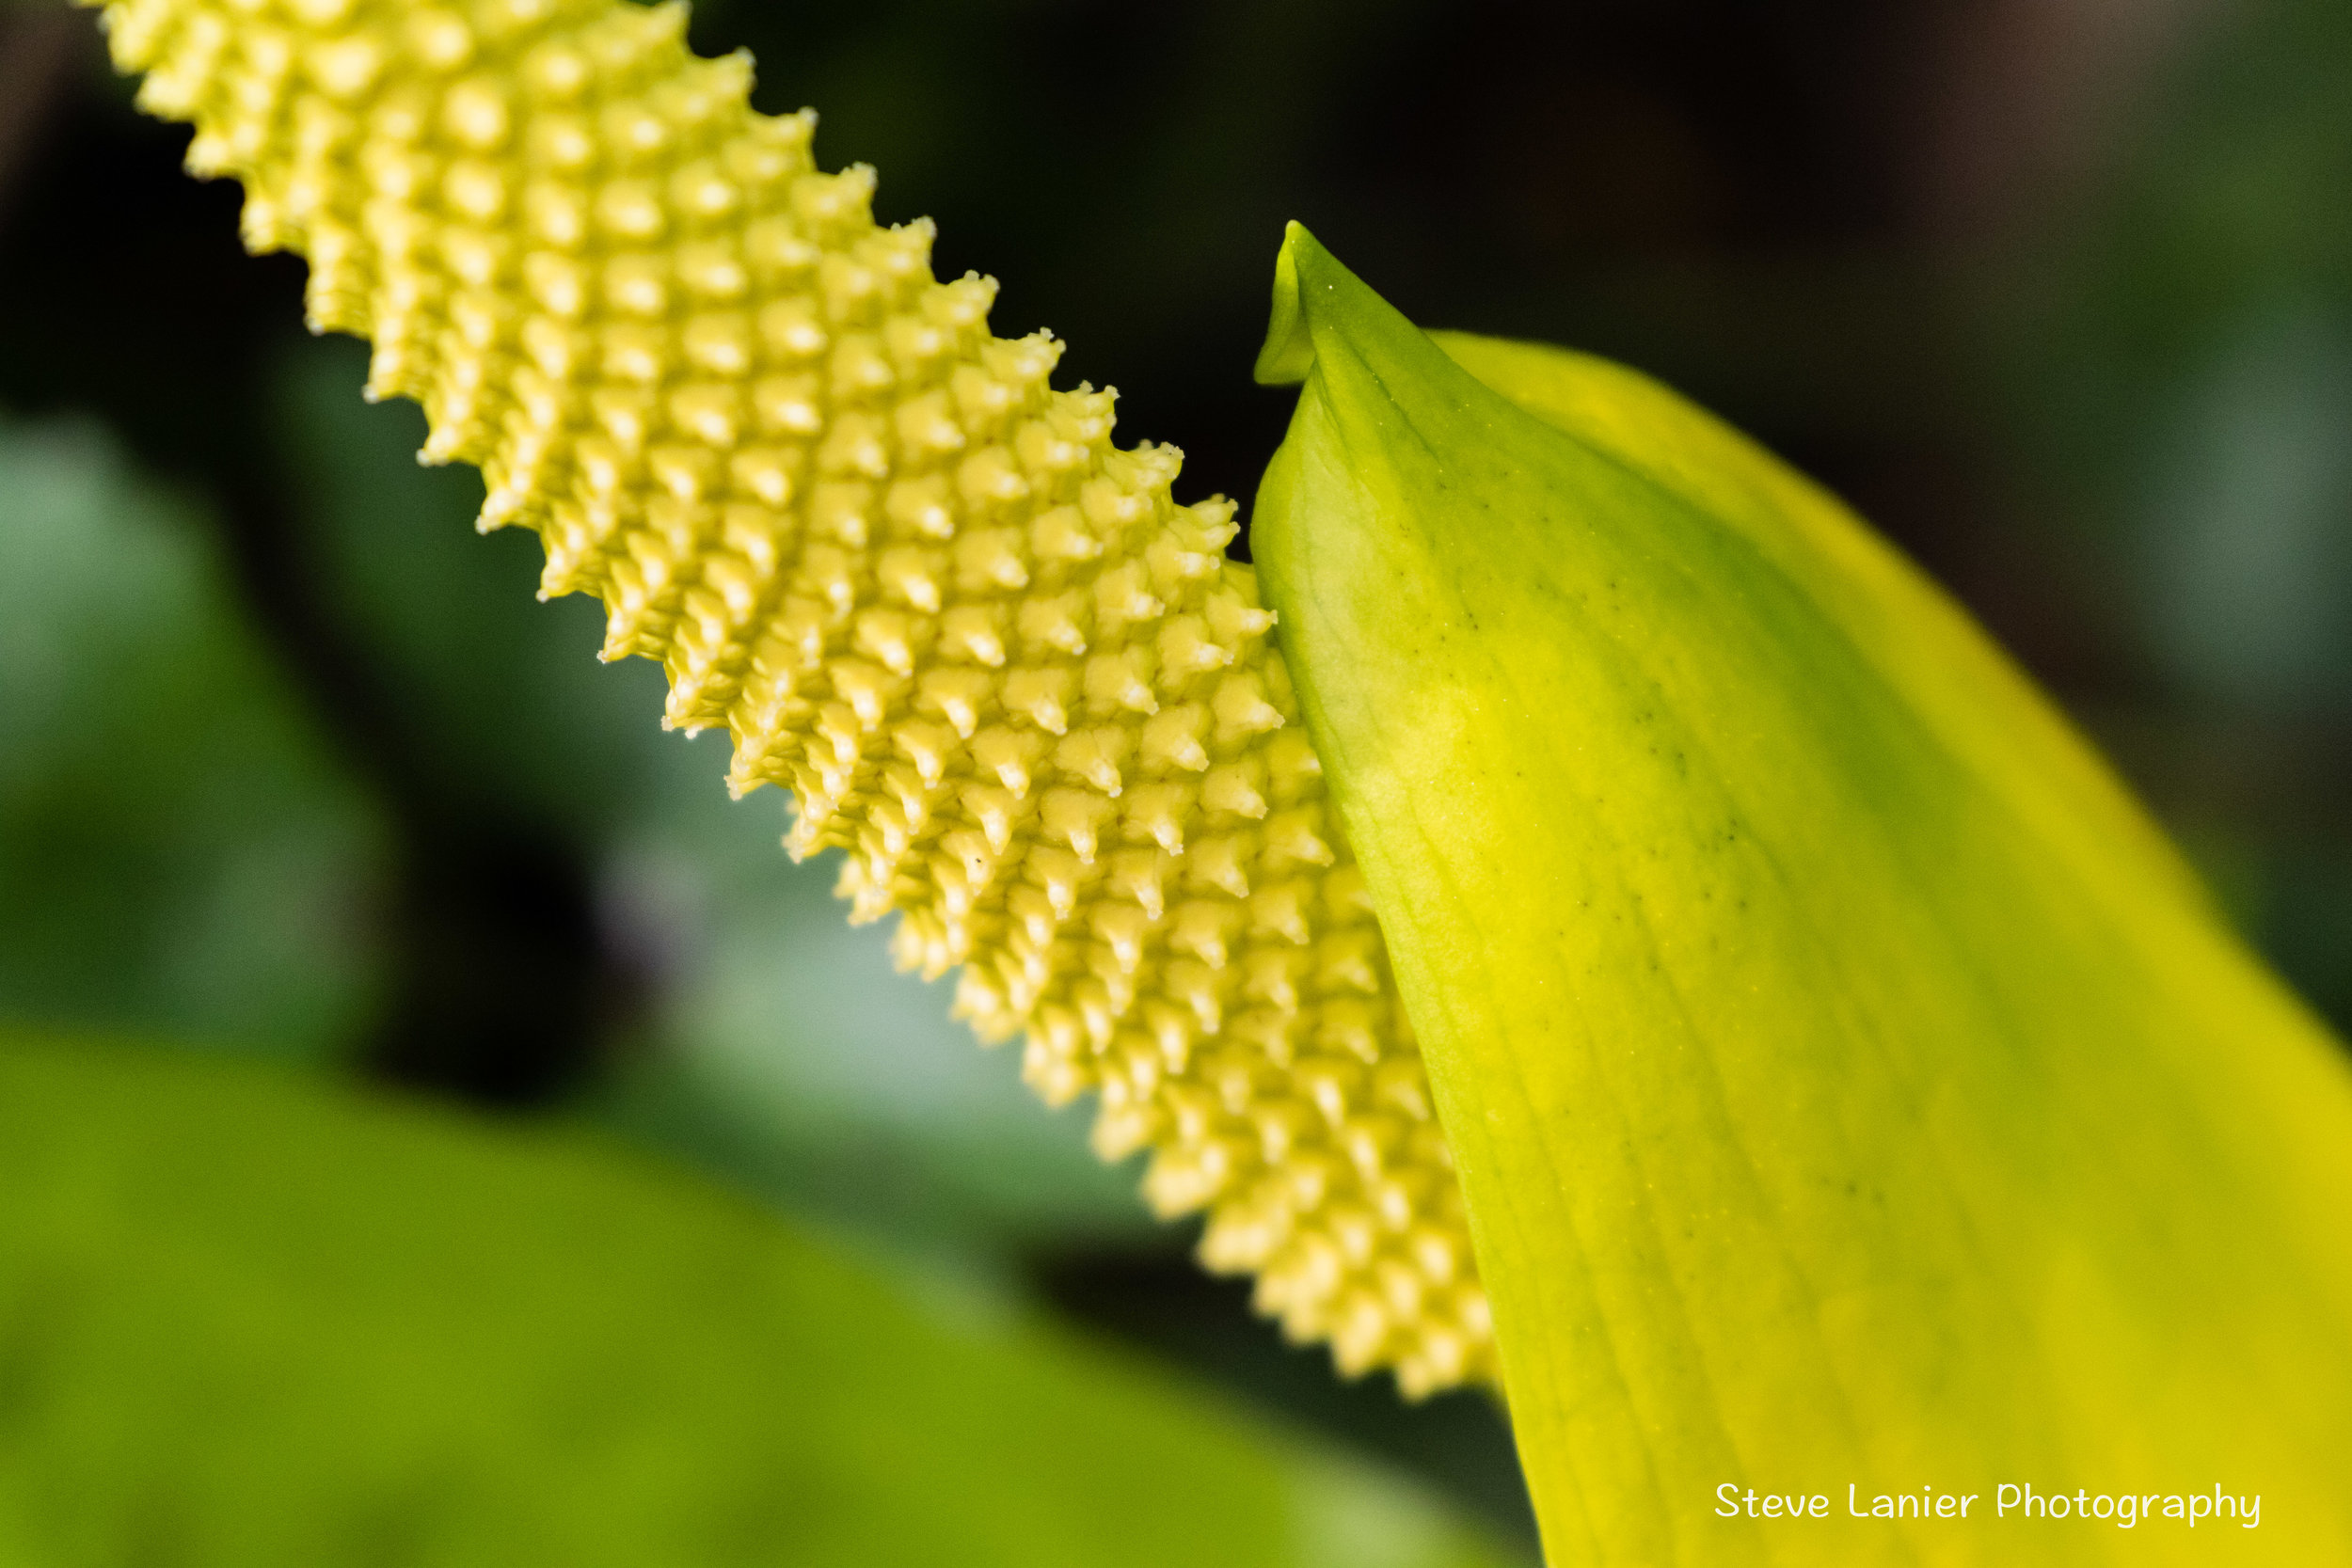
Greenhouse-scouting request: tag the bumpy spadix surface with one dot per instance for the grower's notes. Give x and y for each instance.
(991, 658)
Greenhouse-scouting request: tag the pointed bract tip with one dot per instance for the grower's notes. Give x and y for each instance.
(1314, 291)
(1289, 350)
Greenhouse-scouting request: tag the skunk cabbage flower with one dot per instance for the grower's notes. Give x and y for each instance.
(1841, 1082)
(1848, 1087)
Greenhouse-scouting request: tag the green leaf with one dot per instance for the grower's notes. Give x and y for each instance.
(1848, 1084)
(178, 854)
(252, 1322)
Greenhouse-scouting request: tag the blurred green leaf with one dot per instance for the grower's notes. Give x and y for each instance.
(178, 853)
(2249, 531)
(249, 1321)
(2228, 204)
(1847, 1083)
(2176, 349)
(2179, 353)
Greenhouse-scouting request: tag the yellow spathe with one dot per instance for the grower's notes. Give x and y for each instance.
(1854, 1095)
(993, 661)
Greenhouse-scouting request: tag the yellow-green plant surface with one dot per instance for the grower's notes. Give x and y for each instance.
(1849, 1085)
(257, 1322)
(993, 662)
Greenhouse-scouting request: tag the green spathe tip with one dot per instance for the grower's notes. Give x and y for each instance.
(1848, 1084)
(1289, 352)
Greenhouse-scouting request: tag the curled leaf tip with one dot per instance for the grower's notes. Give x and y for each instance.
(993, 662)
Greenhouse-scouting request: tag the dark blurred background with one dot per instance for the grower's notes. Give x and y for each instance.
(2059, 292)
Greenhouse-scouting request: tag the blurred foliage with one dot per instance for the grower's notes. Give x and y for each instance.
(2190, 362)
(2176, 356)
(394, 1337)
(179, 855)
